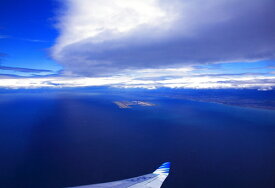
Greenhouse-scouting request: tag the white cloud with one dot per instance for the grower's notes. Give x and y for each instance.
(104, 37)
(100, 20)
(150, 79)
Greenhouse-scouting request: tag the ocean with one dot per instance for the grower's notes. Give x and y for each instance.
(71, 138)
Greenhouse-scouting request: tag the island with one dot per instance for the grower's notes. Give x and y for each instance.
(130, 104)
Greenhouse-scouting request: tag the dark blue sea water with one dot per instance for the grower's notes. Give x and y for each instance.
(59, 139)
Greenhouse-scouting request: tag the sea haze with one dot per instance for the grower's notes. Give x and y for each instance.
(69, 137)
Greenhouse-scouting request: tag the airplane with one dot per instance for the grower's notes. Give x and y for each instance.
(153, 180)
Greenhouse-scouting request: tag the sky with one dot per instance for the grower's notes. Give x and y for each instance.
(138, 43)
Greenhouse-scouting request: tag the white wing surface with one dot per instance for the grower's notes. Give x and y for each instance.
(153, 180)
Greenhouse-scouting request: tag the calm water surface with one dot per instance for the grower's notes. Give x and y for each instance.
(68, 139)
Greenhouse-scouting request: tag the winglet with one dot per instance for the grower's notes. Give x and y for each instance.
(163, 169)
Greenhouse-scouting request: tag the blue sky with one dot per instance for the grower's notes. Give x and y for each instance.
(149, 44)
(27, 33)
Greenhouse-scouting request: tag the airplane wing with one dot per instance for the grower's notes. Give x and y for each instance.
(153, 180)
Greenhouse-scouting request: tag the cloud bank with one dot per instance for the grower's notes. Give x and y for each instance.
(151, 79)
(103, 37)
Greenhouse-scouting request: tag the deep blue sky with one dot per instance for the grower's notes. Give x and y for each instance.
(27, 31)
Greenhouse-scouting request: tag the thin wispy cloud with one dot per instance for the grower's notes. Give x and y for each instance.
(33, 40)
(23, 39)
(21, 69)
(12, 76)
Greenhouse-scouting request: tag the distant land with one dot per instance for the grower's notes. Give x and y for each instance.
(129, 104)
(234, 101)
(249, 98)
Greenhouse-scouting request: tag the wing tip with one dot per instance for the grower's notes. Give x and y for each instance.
(163, 169)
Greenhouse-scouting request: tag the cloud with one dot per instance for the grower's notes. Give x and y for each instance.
(28, 70)
(28, 76)
(177, 78)
(23, 39)
(103, 37)
(33, 40)
(9, 76)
